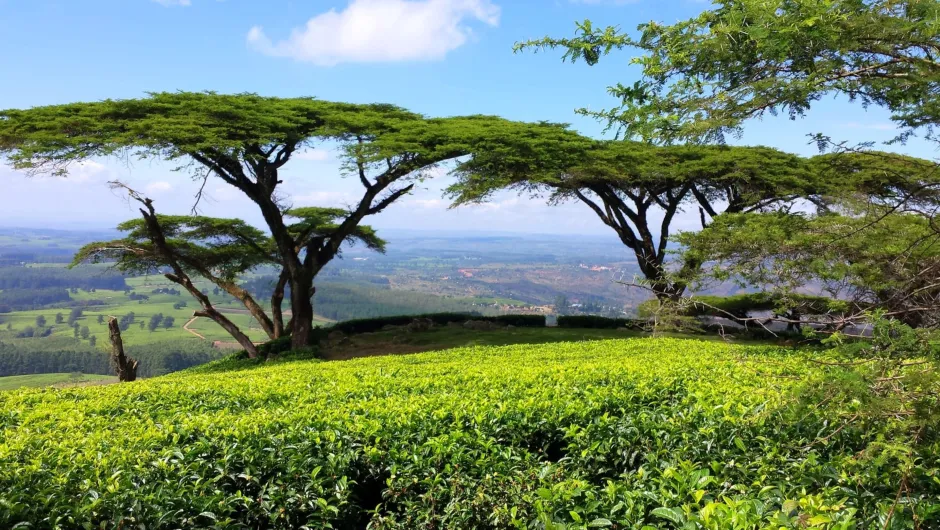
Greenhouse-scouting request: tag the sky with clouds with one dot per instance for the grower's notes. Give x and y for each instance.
(437, 57)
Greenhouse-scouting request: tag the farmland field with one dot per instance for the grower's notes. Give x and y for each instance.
(630, 433)
(39, 380)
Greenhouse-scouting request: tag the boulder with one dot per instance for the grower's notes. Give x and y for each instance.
(420, 324)
(479, 325)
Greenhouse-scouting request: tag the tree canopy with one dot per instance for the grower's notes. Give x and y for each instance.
(867, 260)
(219, 250)
(636, 189)
(245, 140)
(742, 59)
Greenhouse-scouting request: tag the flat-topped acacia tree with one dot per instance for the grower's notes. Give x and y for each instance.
(636, 189)
(219, 250)
(245, 140)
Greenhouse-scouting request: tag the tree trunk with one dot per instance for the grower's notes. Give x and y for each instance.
(125, 366)
(251, 305)
(301, 294)
(231, 328)
(209, 311)
(277, 300)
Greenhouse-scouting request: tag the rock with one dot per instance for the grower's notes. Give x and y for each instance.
(336, 335)
(420, 324)
(343, 341)
(454, 325)
(479, 325)
(389, 327)
(510, 327)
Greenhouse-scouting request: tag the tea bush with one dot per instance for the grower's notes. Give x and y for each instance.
(637, 433)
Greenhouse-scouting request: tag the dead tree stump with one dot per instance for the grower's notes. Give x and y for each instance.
(125, 366)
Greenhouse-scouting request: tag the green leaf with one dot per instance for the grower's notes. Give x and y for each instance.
(671, 514)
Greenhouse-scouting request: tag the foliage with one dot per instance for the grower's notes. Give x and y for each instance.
(747, 304)
(24, 299)
(245, 140)
(58, 353)
(704, 76)
(375, 324)
(49, 277)
(655, 433)
(635, 189)
(878, 259)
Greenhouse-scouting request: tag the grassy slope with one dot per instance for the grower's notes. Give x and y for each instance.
(479, 436)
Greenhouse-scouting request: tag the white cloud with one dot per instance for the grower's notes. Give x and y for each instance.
(315, 155)
(437, 204)
(381, 31)
(160, 186)
(320, 197)
(169, 3)
(86, 171)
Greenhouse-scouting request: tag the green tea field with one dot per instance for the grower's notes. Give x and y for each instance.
(634, 433)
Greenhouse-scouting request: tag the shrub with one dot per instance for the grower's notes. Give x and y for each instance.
(519, 321)
(598, 322)
(369, 325)
(655, 433)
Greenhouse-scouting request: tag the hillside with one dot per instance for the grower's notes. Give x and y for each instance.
(634, 433)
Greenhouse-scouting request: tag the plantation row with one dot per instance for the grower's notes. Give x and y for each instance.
(649, 433)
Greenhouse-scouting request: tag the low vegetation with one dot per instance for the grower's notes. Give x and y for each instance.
(636, 433)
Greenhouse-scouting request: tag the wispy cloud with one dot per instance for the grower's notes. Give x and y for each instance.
(370, 31)
(160, 186)
(315, 155)
(331, 198)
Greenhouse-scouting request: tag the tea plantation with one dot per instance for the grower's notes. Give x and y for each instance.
(635, 433)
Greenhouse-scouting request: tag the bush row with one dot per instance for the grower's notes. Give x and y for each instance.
(597, 322)
(369, 325)
(626, 434)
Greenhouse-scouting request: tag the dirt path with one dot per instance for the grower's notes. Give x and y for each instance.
(186, 327)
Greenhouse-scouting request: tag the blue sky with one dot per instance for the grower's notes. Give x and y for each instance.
(437, 57)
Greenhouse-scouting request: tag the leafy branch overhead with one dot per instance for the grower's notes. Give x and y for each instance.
(703, 77)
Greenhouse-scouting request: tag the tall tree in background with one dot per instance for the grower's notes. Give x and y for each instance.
(875, 249)
(703, 77)
(246, 140)
(634, 188)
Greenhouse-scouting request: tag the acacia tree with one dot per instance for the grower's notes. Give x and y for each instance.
(634, 188)
(246, 140)
(874, 246)
(704, 76)
(218, 250)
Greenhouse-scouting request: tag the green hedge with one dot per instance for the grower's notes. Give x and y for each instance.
(519, 321)
(597, 322)
(743, 305)
(368, 325)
